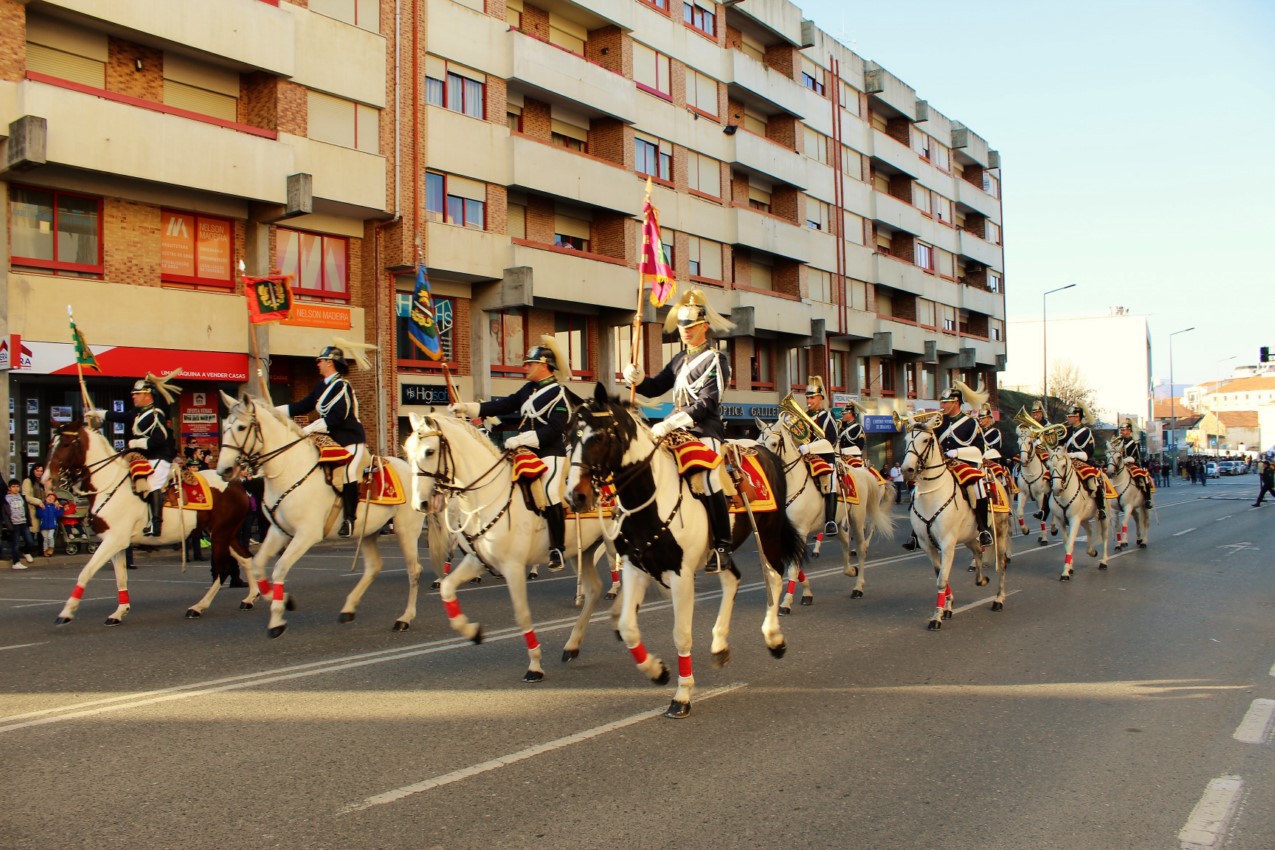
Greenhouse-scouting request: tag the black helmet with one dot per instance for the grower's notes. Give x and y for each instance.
(542, 354)
(952, 394)
(337, 356)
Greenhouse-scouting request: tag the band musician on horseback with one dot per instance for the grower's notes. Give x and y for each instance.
(697, 375)
(1079, 445)
(1132, 451)
(337, 406)
(962, 443)
(823, 449)
(851, 442)
(148, 435)
(543, 405)
(993, 456)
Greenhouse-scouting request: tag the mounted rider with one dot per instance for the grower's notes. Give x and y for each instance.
(148, 434)
(823, 449)
(697, 375)
(851, 443)
(961, 441)
(992, 456)
(1038, 412)
(1079, 444)
(543, 403)
(335, 401)
(1132, 451)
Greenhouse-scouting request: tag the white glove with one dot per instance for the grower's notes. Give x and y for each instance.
(318, 426)
(951, 453)
(681, 419)
(464, 409)
(660, 430)
(803, 449)
(95, 417)
(138, 443)
(633, 374)
(282, 408)
(525, 440)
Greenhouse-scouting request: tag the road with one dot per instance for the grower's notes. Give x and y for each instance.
(1128, 708)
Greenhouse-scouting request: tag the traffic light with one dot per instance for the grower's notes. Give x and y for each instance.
(1264, 353)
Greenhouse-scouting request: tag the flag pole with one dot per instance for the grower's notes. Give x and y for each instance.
(635, 339)
(79, 370)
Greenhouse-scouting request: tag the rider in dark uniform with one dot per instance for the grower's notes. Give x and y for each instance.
(823, 448)
(961, 440)
(1079, 445)
(697, 375)
(338, 408)
(543, 404)
(851, 442)
(1132, 451)
(147, 433)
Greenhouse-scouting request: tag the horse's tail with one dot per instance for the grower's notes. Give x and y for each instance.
(880, 515)
(792, 545)
(440, 543)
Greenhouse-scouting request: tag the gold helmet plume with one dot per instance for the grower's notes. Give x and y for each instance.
(693, 309)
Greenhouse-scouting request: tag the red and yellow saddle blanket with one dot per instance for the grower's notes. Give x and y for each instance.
(856, 461)
(138, 466)
(1002, 475)
(381, 486)
(1087, 471)
(964, 472)
(693, 455)
(1138, 472)
(752, 483)
(331, 453)
(528, 465)
(849, 491)
(996, 492)
(196, 495)
(818, 466)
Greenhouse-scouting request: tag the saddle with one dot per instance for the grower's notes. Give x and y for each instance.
(138, 465)
(380, 485)
(750, 481)
(857, 462)
(196, 495)
(965, 473)
(693, 455)
(1002, 475)
(818, 466)
(849, 490)
(528, 472)
(331, 453)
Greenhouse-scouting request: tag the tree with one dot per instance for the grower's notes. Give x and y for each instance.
(1070, 388)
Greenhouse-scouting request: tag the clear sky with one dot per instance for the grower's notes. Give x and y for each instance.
(1137, 140)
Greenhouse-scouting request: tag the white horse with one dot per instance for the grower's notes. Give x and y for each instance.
(1033, 482)
(1074, 508)
(81, 457)
(661, 533)
(1130, 500)
(458, 473)
(856, 524)
(303, 508)
(943, 520)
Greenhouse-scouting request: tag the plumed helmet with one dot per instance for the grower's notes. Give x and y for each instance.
(853, 407)
(693, 309)
(345, 354)
(1126, 424)
(985, 411)
(962, 393)
(548, 353)
(951, 394)
(1038, 406)
(159, 385)
(814, 386)
(1079, 409)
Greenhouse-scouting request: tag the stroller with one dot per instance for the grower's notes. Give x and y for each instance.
(71, 530)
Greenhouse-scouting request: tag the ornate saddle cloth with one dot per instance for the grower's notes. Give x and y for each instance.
(331, 453)
(528, 465)
(138, 466)
(1002, 475)
(752, 483)
(1138, 472)
(196, 494)
(380, 485)
(692, 454)
(818, 466)
(964, 472)
(857, 461)
(849, 490)
(996, 492)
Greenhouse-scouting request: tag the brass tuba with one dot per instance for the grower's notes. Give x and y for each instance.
(1048, 435)
(797, 422)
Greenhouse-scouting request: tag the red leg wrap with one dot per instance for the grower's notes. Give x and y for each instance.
(1067, 560)
(123, 597)
(277, 590)
(684, 666)
(639, 653)
(452, 607)
(615, 575)
(942, 600)
(530, 637)
(801, 575)
(792, 587)
(263, 587)
(819, 537)
(78, 593)
(447, 568)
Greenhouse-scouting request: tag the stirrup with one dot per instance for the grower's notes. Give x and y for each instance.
(985, 538)
(831, 527)
(912, 544)
(346, 529)
(718, 560)
(556, 561)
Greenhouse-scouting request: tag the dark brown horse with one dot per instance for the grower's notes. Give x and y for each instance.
(81, 458)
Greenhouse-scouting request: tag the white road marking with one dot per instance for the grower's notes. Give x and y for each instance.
(1209, 820)
(1256, 724)
(1219, 519)
(984, 601)
(61, 601)
(1184, 531)
(23, 645)
(522, 755)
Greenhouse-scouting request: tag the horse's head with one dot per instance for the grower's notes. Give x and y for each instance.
(1115, 455)
(423, 448)
(770, 435)
(67, 465)
(920, 443)
(237, 433)
(1059, 465)
(599, 435)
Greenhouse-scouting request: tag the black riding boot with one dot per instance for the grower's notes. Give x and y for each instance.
(350, 507)
(1146, 493)
(556, 518)
(830, 514)
(1100, 498)
(719, 526)
(155, 500)
(912, 544)
(980, 516)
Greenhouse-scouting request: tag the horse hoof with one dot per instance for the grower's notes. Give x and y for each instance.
(478, 636)
(435, 584)
(1043, 542)
(1008, 560)
(721, 658)
(998, 606)
(1065, 577)
(192, 614)
(289, 603)
(276, 631)
(533, 676)
(856, 594)
(570, 655)
(947, 615)
(807, 600)
(112, 621)
(401, 626)
(983, 581)
(935, 625)
(971, 568)
(533, 575)
(62, 621)
(346, 617)
(617, 636)
(609, 596)
(815, 554)
(853, 553)
(245, 606)
(778, 651)
(477, 580)
(1141, 545)
(784, 610)
(1102, 566)
(663, 678)
(678, 710)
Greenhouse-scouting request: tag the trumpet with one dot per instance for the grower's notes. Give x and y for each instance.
(797, 422)
(1048, 435)
(927, 419)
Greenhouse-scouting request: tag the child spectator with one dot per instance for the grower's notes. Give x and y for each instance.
(50, 513)
(17, 528)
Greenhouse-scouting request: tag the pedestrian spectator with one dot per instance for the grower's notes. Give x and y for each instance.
(50, 513)
(896, 477)
(33, 493)
(1266, 477)
(17, 527)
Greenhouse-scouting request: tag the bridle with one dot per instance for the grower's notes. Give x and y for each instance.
(444, 478)
(930, 447)
(82, 483)
(807, 480)
(252, 460)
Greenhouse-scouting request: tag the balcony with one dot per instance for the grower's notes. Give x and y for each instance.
(890, 90)
(900, 274)
(346, 176)
(563, 276)
(771, 234)
(985, 351)
(257, 34)
(969, 145)
(900, 215)
(552, 170)
(466, 253)
(94, 133)
(773, 313)
(758, 82)
(895, 154)
(969, 195)
(459, 144)
(554, 75)
(360, 75)
(771, 159)
(977, 248)
(905, 336)
(978, 300)
(778, 16)
(483, 45)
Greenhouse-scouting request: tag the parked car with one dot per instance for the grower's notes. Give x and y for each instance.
(1210, 469)
(1228, 467)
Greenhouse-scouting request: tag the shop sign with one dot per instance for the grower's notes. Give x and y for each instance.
(424, 394)
(318, 316)
(878, 425)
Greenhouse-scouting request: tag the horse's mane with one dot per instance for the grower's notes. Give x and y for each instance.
(613, 405)
(473, 431)
(281, 418)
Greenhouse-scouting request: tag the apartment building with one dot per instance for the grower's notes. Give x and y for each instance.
(847, 227)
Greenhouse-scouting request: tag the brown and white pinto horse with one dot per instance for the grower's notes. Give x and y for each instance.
(81, 459)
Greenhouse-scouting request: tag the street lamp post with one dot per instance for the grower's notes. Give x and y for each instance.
(1217, 445)
(1173, 407)
(1044, 346)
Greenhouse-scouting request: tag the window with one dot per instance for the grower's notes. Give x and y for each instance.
(659, 4)
(853, 228)
(818, 285)
(513, 117)
(196, 249)
(925, 256)
(699, 18)
(653, 157)
(65, 51)
(360, 13)
(455, 200)
(506, 342)
(996, 330)
(517, 220)
(755, 122)
(435, 195)
(849, 99)
(909, 374)
(705, 258)
(929, 380)
(921, 144)
(566, 34)
(621, 345)
(572, 134)
(798, 368)
(925, 313)
(704, 174)
(762, 273)
(758, 197)
(701, 92)
(940, 156)
(862, 370)
(994, 283)
(571, 232)
(818, 214)
(949, 317)
(856, 294)
(991, 185)
(317, 263)
(407, 352)
(456, 88)
(749, 45)
(992, 232)
(812, 76)
(55, 230)
(200, 87)
(338, 121)
(762, 365)
(651, 71)
(942, 208)
(513, 13)
(921, 198)
(572, 333)
(815, 145)
(885, 381)
(945, 262)
(838, 370)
